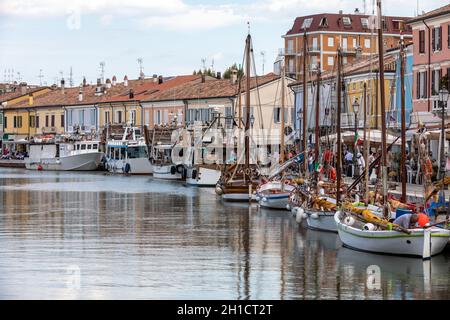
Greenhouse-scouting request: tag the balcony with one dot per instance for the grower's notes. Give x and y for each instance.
(349, 51)
(436, 108)
(288, 52)
(49, 130)
(314, 50)
(348, 121)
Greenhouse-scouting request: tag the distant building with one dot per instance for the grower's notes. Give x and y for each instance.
(354, 33)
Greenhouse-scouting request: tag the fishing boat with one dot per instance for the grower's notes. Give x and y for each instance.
(56, 154)
(274, 194)
(364, 236)
(163, 167)
(128, 155)
(202, 176)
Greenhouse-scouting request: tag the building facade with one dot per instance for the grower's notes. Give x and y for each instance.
(325, 33)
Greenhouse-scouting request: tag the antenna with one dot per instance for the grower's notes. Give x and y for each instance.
(102, 71)
(19, 78)
(204, 64)
(212, 65)
(71, 77)
(365, 6)
(40, 76)
(248, 25)
(141, 68)
(263, 55)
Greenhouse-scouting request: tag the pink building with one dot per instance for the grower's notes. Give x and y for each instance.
(431, 38)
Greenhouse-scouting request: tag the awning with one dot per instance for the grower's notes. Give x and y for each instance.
(375, 137)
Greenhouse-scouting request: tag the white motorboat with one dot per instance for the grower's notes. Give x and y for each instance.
(128, 155)
(361, 236)
(64, 156)
(274, 194)
(163, 167)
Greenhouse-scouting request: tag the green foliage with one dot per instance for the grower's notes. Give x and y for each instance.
(227, 73)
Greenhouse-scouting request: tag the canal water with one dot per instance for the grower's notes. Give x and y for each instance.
(97, 236)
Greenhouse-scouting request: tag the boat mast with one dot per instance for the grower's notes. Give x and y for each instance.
(366, 147)
(403, 115)
(247, 109)
(317, 142)
(338, 129)
(305, 101)
(383, 107)
(282, 148)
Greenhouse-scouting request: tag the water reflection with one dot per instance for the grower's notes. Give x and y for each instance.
(137, 238)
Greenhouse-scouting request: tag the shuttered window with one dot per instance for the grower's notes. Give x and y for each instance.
(422, 41)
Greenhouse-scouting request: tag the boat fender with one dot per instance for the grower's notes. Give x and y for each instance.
(299, 216)
(194, 174)
(184, 174)
(294, 212)
(288, 207)
(314, 216)
(180, 168)
(219, 190)
(264, 199)
(39, 168)
(173, 170)
(349, 221)
(127, 168)
(369, 227)
(257, 198)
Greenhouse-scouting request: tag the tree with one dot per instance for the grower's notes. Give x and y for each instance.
(227, 73)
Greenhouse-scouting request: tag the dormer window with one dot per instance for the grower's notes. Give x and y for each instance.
(365, 23)
(307, 23)
(347, 21)
(397, 24)
(323, 23)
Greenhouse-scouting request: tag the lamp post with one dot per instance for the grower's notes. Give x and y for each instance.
(356, 111)
(443, 98)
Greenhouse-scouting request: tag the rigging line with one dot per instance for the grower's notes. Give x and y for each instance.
(257, 86)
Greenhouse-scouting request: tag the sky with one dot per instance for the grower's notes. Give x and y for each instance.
(172, 37)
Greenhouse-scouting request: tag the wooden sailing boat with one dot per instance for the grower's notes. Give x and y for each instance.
(361, 229)
(238, 182)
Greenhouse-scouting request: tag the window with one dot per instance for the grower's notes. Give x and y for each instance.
(384, 25)
(133, 117)
(330, 41)
(345, 60)
(396, 24)
(107, 121)
(69, 118)
(18, 122)
(307, 23)
(62, 121)
(347, 21)
(367, 43)
(119, 116)
(5, 122)
(436, 42)
(137, 152)
(89, 146)
(15, 122)
(323, 23)
(422, 41)
(147, 117)
(95, 146)
(53, 120)
(78, 147)
(365, 23)
(354, 43)
(37, 121)
(421, 85)
(32, 122)
(81, 117)
(83, 147)
(448, 36)
(290, 46)
(46, 121)
(436, 76)
(331, 61)
(276, 115)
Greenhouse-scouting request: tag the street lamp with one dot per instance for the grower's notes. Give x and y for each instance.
(443, 98)
(252, 121)
(356, 111)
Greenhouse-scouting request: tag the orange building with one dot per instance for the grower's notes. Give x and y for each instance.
(325, 33)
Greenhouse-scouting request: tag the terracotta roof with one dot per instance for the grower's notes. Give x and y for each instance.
(335, 23)
(434, 13)
(117, 93)
(18, 93)
(209, 89)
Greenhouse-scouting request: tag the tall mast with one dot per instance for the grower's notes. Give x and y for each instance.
(247, 105)
(366, 147)
(402, 84)
(383, 106)
(338, 125)
(305, 101)
(282, 143)
(317, 126)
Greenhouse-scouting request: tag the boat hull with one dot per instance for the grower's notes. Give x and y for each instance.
(391, 242)
(278, 201)
(204, 177)
(165, 173)
(137, 166)
(12, 163)
(323, 221)
(81, 162)
(274, 195)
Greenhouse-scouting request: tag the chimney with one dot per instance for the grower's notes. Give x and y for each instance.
(234, 76)
(219, 75)
(84, 82)
(155, 78)
(125, 81)
(341, 12)
(80, 94)
(99, 88)
(108, 83)
(203, 78)
(357, 11)
(23, 88)
(62, 86)
(160, 80)
(131, 94)
(114, 80)
(30, 99)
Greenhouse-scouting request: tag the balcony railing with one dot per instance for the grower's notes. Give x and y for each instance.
(348, 121)
(436, 107)
(314, 49)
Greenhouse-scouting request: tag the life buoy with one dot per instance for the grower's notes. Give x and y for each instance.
(180, 168)
(173, 170)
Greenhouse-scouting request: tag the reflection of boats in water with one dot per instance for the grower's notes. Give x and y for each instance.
(440, 265)
(328, 240)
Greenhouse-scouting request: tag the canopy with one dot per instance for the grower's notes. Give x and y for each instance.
(375, 137)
